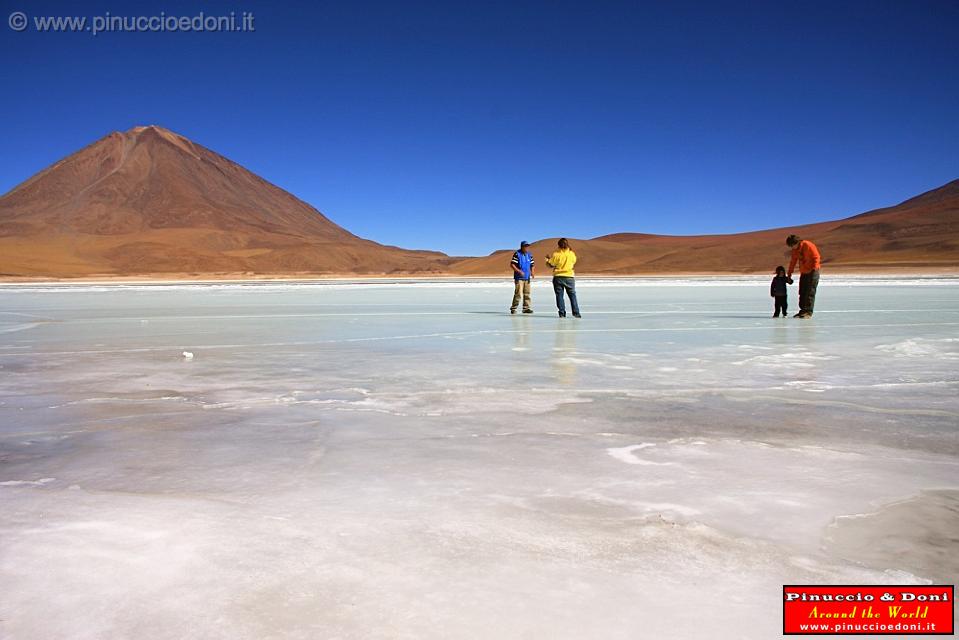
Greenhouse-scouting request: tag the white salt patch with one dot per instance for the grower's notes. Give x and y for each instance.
(22, 483)
(625, 454)
(666, 507)
(943, 348)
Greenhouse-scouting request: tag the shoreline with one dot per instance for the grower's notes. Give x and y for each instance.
(166, 279)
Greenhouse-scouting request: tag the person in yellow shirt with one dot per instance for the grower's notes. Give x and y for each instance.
(562, 262)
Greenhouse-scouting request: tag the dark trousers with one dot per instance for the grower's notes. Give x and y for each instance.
(780, 305)
(808, 282)
(565, 284)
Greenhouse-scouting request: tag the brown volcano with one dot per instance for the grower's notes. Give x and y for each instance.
(920, 234)
(149, 201)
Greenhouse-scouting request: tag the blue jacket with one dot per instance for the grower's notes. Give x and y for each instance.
(523, 261)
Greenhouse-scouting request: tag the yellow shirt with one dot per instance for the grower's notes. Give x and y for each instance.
(562, 262)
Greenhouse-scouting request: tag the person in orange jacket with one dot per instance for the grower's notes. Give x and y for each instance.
(807, 255)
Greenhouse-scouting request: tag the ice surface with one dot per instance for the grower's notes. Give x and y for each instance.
(382, 460)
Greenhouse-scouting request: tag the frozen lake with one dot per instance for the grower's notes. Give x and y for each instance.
(410, 461)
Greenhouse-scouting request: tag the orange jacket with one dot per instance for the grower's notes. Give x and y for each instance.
(807, 255)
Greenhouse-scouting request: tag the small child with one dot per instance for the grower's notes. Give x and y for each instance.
(778, 290)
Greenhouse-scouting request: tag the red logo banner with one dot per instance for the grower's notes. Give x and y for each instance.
(868, 609)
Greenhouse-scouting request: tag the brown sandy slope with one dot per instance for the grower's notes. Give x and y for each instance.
(920, 234)
(151, 202)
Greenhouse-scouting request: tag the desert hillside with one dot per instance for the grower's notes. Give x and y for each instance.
(919, 234)
(149, 201)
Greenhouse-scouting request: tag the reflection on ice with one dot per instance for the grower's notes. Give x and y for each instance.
(410, 461)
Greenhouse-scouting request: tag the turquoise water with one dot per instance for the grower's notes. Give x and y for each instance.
(409, 460)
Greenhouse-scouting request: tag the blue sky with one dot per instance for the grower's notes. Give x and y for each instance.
(466, 127)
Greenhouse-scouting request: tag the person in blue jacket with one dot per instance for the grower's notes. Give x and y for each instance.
(524, 269)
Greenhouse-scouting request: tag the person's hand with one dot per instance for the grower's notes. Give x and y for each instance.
(789, 280)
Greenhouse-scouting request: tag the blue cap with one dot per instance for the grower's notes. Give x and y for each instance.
(524, 244)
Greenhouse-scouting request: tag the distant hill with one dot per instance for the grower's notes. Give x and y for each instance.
(149, 201)
(919, 234)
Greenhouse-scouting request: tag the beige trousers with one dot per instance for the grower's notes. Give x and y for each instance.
(521, 289)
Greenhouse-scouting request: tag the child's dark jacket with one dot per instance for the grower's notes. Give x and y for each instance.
(778, 286)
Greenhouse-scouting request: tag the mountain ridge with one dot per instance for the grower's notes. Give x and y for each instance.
(149, 201)
(921, 232)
